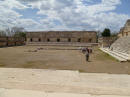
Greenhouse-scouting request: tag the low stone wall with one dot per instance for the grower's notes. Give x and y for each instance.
(11, 41)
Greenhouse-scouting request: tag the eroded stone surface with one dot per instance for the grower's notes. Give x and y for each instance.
(30, 93)
(65, 81)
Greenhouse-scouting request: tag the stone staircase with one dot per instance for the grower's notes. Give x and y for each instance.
(122, 45)
(120, 56)
(120, 49)
(61, 83)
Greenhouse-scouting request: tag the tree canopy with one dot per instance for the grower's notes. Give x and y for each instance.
(106, 32)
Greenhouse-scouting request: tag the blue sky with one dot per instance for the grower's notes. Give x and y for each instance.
(124, 8)
(46, 15)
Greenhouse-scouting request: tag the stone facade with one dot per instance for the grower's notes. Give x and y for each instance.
(125, 31)
(62, 36)
(11, 41)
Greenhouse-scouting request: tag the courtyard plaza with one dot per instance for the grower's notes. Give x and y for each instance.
(61, 71)
(61, 58)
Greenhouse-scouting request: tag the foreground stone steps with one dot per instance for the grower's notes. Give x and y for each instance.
(64, 81)
(30, 93)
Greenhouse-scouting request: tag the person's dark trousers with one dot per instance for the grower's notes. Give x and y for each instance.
(87, 57)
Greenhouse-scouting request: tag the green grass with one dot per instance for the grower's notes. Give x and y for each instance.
(104, 56)
(31, 64)
(2, 65)
(28, 64)
(81, 71)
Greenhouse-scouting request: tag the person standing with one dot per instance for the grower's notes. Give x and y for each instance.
(87, 54)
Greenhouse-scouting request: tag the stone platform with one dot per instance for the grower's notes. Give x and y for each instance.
(122, 57)
(30, 93)
(71, 44)
(61, 83)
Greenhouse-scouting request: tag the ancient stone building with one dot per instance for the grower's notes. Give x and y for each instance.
(11, 41)
(62, 36)
(120, 49)
(125, 31)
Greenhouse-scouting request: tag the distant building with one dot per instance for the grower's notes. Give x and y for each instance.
(125, 31)
(62, 36)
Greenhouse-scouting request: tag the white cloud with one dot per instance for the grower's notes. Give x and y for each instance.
(10, 18)
(105, 5)
(9, 4)
(111, 2)
(72, 14)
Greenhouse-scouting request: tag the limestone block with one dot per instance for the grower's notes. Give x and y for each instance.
(29, 93)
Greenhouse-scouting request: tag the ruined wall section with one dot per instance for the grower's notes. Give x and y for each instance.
(62, 36)
(11, 41)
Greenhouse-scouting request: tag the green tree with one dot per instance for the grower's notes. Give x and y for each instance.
(106, 32)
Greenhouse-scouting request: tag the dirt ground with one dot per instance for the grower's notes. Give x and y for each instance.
(53, 58)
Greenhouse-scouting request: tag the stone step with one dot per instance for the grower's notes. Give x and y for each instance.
(120, 50)
(30, 93)
(122, 55)
(114, 55)
(75, 44)
(64, 81)
(122, 44)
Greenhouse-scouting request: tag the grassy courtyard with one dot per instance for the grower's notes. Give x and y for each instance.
(53, 58)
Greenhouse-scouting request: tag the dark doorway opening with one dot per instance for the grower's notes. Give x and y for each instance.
(69, 40)
(48, 40)
(39, 39)
(58, 40)
(79, 40)
(90, 40)
(31, 39)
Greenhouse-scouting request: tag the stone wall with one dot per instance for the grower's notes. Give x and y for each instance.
(11, 41)
(63, 36)
(125, 31)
